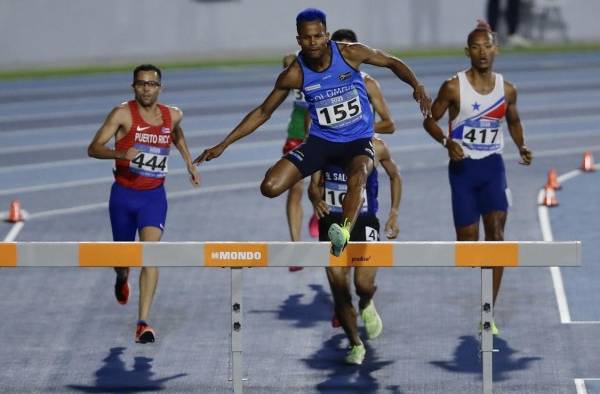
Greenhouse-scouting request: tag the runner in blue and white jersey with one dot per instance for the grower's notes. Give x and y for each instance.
(478, 101)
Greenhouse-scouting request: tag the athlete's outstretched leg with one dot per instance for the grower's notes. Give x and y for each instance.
(364, 282)
(148, 280)
(493, 224)
(279, 178)
(340, 289)
(357, 173)
(294, 211)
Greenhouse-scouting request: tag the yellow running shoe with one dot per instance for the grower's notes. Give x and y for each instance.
(356, 354)
(373, 323)
(339, 237)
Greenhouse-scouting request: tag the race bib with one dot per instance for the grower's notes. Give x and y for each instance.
(152, 161)
(482, 135)
(371, 234)
(339, 111)
(335, 194)
(299, 100)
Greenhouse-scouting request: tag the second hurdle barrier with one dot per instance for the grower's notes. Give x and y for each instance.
(239, 255)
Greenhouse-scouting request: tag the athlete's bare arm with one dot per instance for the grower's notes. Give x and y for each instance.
(357, 53)
(389, 165)
(513, 122)
(181, 145)
(385, 125)
(116, 124)
(447, 99)
(290, 78)
(307, 124)
(288, 60)
(315, 195)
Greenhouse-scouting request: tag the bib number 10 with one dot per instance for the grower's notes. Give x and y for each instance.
(339, 112)
(335, 198)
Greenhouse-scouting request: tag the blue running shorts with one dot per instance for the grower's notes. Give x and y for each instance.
(478, 187)
(131, 210)
(316, 152)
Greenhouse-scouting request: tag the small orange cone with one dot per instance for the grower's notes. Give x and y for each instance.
(550, 197)
(553, 180)
(587, 164)
(14, 212)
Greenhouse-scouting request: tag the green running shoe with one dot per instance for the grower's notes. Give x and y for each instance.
(339, 237)
(356, 354)
(495, 330)
(373, 323)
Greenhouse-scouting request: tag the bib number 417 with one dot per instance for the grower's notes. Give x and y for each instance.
(481, 136)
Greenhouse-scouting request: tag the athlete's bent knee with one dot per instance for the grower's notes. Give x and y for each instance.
(495, 235)
(364, 290)
(269, 189)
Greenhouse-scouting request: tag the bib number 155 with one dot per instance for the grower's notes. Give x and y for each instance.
(339, 112)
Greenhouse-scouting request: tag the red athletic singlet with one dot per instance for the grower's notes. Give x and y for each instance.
(148, 169)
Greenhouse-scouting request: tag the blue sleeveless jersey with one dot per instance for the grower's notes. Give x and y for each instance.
(337, 100)
(336, 188)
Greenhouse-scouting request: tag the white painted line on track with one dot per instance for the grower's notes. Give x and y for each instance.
(580, 384)
(109, 179)
(548, 236)
(266, 162)
(278, 141)
(16, 228)
(278, 127)
(171, 195)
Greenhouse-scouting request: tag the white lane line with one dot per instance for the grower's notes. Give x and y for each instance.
(87, 160)
(580, 384)
(278, 127)
(170, 195)
(548, 236)
(278, 142)
(109, 179)
(188, 133)
(16, 228)
(212, 167)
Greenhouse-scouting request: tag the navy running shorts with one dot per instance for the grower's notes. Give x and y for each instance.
(131, 210)
(478, 187)
(316, 152)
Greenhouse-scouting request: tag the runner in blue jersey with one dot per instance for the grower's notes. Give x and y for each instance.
(327, 191)
(478, 101)
(342, 119)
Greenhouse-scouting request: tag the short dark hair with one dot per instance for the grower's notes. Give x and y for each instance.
(482, 27)
(344, 34)
(311, 15)
(147, 67)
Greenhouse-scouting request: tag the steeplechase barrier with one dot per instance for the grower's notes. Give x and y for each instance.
(239, 255)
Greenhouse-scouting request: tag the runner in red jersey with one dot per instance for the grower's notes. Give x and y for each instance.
(144, 131)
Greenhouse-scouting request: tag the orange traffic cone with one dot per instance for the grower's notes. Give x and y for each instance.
(14, 212)
(587, 164)
(553, 180)
(550, 197)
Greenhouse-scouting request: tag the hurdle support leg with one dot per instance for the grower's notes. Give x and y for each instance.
(236, 328)
(487, 317)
